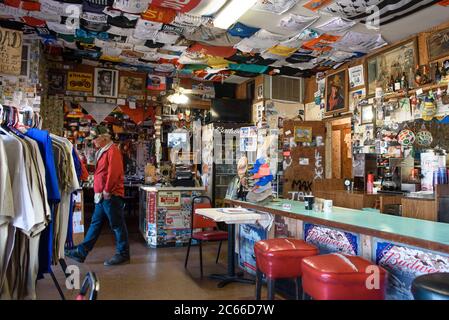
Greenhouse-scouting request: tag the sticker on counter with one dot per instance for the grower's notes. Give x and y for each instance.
(249, 235)
(169, 199)
(405, 263)
(329, 240)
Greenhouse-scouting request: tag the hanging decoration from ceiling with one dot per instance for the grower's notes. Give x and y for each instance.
(169, 37)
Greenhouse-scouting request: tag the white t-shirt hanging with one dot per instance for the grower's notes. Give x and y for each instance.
(94, 17)
(24, 217)
(6, 195)
(335, 26)
(146, 29)
(259, 42)
(131, 6)
(167, 37)
(62, 28)
(274, 6)
(297, 22)
(124, 32)
(59, 8)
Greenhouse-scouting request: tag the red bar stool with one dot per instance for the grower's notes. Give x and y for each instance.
(278, 259)
(341, 277)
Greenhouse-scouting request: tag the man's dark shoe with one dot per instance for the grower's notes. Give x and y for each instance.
(116, 260)
(75, 255)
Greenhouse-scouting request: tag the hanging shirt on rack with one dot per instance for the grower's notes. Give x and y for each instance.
(6, 213)
(44, 141)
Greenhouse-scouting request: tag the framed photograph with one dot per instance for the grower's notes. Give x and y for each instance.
(355, 96)
(393, 62)
(303, 134)
(337, 93)
(106, 83)
(438, 44)
(259, 93)
(56, 81)
(132, 85)
(356, 76)
(367, 114)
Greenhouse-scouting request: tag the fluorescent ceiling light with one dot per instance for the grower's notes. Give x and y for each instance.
(233, 10)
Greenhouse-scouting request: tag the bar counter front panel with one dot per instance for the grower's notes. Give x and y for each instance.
(165, 215)
(405, 247)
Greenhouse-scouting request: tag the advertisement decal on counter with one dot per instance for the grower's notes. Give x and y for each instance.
(249, 235)
(404, 264)
(329, 240)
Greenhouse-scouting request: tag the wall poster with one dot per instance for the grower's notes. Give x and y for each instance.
(10, 51)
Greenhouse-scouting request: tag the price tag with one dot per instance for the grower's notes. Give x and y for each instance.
(286, 206)
(288, 132)
(419, 91)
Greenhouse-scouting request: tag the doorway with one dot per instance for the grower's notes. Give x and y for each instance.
(341, 149)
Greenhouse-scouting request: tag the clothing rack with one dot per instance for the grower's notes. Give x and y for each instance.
(10, 118)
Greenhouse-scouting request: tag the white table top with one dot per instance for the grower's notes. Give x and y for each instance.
(249, 217)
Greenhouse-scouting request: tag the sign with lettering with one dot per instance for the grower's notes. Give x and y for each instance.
(249, 235)
(169, 199)
(79, 81)
(10, 51)
(404, 264)
(329, 240)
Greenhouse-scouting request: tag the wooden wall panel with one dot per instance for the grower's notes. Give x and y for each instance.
(240, 92)
(310, 89)
(298, 177)
(420, 209)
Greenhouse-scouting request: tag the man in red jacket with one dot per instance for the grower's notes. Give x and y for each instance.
(109, 192)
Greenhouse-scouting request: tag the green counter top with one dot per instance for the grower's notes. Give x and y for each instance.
(421, 233)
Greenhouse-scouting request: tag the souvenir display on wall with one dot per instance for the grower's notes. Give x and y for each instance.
(356, 76)
(438, 44)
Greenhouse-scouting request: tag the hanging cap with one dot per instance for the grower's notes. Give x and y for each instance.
(97, 131)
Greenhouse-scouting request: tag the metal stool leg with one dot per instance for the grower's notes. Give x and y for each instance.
(258, 284)
(271, 289)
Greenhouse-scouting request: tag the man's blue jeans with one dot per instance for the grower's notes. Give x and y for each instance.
(113, 210)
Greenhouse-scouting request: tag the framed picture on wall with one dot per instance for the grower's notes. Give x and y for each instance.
(438, 44)
(367, 114)
(337, 92)
(356, 76)
(303, 134)
(392, 62)
(56, 81)
(132, 85)
(259, 93)
(106, 83)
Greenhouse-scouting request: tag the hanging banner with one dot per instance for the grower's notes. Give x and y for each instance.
(99, 111)
(138, 115)
(10, 51)
(79, 81)
(156, 82)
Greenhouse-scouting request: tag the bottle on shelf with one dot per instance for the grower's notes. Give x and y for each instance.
(397, 83)
(390, 86)
(404, 81)
(418, 75)
(437, 74)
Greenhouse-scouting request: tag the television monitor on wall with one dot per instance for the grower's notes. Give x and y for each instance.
(230, 111)
(177, 140)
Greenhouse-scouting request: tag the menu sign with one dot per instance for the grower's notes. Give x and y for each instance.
(10, 51)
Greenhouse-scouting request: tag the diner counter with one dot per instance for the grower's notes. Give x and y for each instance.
(424, 234)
